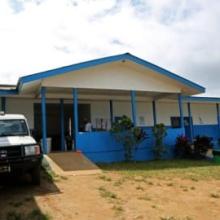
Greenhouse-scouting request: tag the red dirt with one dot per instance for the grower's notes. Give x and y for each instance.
(80, 197)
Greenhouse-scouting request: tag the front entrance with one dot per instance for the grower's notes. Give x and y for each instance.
(54, 123)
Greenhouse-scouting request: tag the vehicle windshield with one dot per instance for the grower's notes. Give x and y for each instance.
(13, 127)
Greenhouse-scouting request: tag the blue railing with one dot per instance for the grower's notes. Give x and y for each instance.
(101, 146)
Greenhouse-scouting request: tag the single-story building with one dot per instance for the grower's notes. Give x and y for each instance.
(56, 103)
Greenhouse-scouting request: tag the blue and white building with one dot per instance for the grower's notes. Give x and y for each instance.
(57, 101)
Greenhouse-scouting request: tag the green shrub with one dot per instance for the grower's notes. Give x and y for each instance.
(159, 132)
(182, 147)
(201, 146)
(128, 135)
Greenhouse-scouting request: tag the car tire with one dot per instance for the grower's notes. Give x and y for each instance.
(35, 175)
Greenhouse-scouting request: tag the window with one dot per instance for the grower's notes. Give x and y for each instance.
(175, 121)
(13, 127)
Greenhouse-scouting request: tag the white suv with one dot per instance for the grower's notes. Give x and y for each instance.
(19, 152)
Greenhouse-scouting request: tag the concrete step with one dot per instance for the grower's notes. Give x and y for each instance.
(71, 163)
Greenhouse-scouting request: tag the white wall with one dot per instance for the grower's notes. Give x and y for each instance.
(144, 111)
(204, 113)
(21, 106)
(145, 114)
(100, 110)
(25, 107)
(165, 110)
(121, 108)
(118, 76)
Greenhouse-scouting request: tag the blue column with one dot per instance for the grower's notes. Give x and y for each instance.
(180, 101)
(44, 119)
(133, 107)
(111, 111)
(218, 116)
(154, 112)
(3, 104)
(190, 122)
(75, 128)
(62, 129)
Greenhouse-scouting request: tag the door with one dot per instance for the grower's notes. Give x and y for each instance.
(53, 122)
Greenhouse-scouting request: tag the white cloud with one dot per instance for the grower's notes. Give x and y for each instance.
(43, 34)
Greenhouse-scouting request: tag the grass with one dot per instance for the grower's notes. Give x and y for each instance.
(106, 193)
(170, 184)
(154, 206)
(184, 188)
(119, 182)
(49, 175)
(12, 215)
(37, 215)
(140, 188)
(215, 195)
(150, 183)
(118, 209)
(188, 169)
(139, 179)
(16, 204)
(168, 218)
(145, 197)
(105, 178)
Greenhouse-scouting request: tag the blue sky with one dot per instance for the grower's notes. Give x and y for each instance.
(179, 35)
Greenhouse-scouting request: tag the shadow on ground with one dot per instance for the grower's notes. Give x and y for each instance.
(18, 197)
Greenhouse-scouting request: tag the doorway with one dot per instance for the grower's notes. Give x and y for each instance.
(53, 122)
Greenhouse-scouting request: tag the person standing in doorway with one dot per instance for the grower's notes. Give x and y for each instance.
(88, 125)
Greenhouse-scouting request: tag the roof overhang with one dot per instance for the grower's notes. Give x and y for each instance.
(200, 99)
(34, 80)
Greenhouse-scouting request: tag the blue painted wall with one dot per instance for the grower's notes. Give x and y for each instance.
(102, 147)
(208, 130)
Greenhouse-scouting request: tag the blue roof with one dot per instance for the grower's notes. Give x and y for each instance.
(92, 63)
(4, 92)
(202, 99)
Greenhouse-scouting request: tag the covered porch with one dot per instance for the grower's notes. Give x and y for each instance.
(99, 145)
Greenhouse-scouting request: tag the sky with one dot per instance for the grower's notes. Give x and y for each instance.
(179, 35)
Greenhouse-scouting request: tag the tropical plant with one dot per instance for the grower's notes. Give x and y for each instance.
(159, 132)
(183, 147)
(201, 145)
(128, 135)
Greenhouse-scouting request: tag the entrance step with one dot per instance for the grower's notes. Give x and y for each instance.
(71, 163)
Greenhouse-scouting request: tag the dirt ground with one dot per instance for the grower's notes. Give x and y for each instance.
(112, 196)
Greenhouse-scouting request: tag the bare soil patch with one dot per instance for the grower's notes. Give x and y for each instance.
(117, 194)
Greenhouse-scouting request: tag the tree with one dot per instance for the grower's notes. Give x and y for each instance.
(128, 135)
